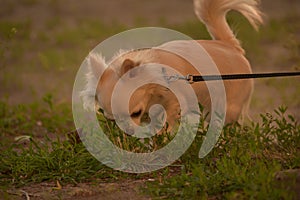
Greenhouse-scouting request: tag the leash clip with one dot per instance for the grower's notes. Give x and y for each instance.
(190, 78)
(176, 78)
(172, 78)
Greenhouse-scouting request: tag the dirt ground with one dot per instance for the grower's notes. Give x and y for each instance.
(128, 190)
(126, 12)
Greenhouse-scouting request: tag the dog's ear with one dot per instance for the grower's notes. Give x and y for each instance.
(96, 64)
(128, 65)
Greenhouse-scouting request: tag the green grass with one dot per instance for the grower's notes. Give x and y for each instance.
(34, 146)
(242, 165)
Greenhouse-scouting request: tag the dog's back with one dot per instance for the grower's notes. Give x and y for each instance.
(224, 49)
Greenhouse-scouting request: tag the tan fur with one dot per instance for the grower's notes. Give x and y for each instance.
(225, 50)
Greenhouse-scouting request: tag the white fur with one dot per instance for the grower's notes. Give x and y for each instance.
(95, 65)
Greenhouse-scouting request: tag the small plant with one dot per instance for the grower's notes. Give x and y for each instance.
(50, 160)
(133, 144)
(243, 165)
(48, 99)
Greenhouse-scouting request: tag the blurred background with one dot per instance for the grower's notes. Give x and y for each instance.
(43, 42)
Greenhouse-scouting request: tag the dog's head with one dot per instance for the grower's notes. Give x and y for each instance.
(123, 69)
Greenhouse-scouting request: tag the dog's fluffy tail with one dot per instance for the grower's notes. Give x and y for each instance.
(213, 14)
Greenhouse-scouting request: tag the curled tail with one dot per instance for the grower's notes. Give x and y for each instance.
(213, 14)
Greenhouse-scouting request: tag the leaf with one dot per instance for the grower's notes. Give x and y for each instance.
(23, 138)
(59, 187)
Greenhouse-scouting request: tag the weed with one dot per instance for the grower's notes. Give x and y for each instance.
(48, 99)
(53, 160)
(242, 165)
(36, 158)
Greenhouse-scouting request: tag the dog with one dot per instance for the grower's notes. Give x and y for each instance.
(224, 48)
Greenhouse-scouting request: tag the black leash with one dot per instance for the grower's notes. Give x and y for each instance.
(198, 78)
